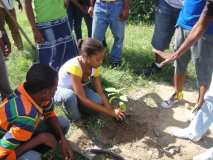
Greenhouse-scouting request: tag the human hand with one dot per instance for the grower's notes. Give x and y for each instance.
(90, 10)
(38, 36)
(66, 150)
(48, 139)
(169, 57)
(124, 14)
(119, 115)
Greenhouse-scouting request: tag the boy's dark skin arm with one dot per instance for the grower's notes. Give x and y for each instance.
(41, 139)
(31, 17)
(125, 12)
(65, 148)
(91, 7)
(197, 31)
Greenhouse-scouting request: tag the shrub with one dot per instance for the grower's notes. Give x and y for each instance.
(142, 10)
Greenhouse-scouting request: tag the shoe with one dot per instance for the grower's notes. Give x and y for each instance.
(147, 72)
(115, 65)
(184, 134)
(175, 99)
(180, 133)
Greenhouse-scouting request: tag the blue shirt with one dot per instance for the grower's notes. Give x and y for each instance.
(190, 13)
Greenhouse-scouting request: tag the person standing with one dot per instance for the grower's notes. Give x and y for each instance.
(112, 14)
(77, 11)
(166, 16)
(51, 30)
(201, 53)
(22, 114)
(12, 23)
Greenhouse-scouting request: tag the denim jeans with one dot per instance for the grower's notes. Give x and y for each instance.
(31, 155)
(165, 21)
(107, 14)
(70, 102)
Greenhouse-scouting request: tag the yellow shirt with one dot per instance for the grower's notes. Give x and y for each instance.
(73, 67)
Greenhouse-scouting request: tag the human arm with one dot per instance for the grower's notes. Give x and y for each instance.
(31, 18)
(52, 121)
(100, 91)
(64, 144)
(20, 132)
(91, 7)
(197, 31)
(125, 11)
(41, 139)
(79, 91)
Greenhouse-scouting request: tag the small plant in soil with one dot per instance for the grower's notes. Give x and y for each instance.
(117, 98)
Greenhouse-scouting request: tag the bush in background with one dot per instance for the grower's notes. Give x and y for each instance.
(142, 10)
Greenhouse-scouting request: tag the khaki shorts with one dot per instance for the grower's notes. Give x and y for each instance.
(201, 54)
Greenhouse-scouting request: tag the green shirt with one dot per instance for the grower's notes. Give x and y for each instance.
(47, 10)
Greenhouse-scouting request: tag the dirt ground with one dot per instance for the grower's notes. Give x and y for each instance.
(145, 135)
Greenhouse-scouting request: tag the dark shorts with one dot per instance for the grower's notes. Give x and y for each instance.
(165, 21)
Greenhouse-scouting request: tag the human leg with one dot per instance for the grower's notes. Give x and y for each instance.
(12, 24)
(68, 98)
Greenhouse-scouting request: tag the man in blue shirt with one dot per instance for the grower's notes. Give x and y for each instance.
(200, 52)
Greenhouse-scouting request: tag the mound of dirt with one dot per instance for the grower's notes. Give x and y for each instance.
(145, 134)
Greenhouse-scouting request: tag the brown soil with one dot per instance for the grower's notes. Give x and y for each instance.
(145, 134)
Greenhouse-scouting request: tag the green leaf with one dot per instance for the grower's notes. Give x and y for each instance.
(122, 106)
(111, 90)
(112, 94)
(123, 98)
(112, 98)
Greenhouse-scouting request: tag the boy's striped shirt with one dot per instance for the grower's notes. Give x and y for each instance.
(19, 117)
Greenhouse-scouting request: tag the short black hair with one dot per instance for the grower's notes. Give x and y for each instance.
(39, 77)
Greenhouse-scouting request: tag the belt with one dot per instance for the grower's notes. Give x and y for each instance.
(108, 1)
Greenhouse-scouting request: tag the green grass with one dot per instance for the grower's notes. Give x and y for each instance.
(136, 55)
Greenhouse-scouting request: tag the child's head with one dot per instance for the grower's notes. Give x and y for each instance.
(41, 80)
(92, 50)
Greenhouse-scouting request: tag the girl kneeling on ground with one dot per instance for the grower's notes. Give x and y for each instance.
(74, 79)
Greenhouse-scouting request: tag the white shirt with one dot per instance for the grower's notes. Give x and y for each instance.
(175, 3)
(73, 66)
(8, 3)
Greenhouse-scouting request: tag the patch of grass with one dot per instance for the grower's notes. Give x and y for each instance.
(136, 56)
